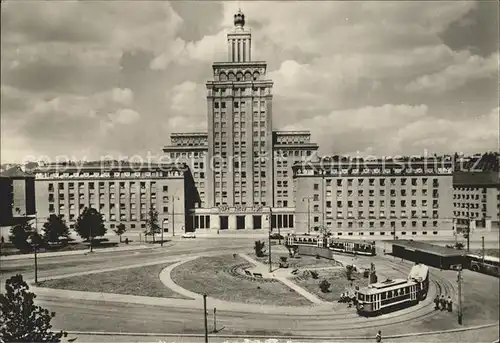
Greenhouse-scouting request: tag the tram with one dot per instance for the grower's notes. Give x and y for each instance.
(335, 244)
(390, 295)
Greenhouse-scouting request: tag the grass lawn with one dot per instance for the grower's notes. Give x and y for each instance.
(142, 281)
(338, 283)
(41, 266)
(9, 249)
(211, 275)
(297, 262)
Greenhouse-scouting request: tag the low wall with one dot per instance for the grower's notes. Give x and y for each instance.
(313, 251)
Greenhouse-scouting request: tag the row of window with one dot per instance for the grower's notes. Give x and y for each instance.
(393, 193)
(382, 233)
(392, 203)
(101, 184)
(467, 196)
(381, 181)
(381, 224)
(112, 226)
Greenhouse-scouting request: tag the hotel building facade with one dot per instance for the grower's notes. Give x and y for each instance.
(122, 192)
(243, 175)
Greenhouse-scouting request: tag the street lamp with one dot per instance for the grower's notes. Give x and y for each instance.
(269, 219)
(33, 240)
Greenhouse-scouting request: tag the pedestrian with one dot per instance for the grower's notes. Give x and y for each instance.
(126, 240)
(436, 302)
(443, 303)
(450, 304)
(2, 240)
(378, 337)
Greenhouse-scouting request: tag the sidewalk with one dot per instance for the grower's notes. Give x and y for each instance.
(309, 296)
(74, 252)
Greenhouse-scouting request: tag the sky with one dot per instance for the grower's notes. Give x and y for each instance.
(81, 80)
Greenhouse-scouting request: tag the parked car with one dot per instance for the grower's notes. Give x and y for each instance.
(188, 235)
(276, 235)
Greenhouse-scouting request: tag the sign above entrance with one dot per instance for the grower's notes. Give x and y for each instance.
(240, 208)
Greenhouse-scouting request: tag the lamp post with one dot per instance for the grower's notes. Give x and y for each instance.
(459, 281)
(205, 316)
(90, 238)
(33, 240)
(269, 242)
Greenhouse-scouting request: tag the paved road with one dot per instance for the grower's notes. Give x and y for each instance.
(85, 315)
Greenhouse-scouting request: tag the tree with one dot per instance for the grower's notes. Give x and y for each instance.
(19, 235)
(324, 231)
(259, 248)
(324, 286)
(349, 269)
(90, 224)
(120, 230)
(55, 227)
(20, 319)
(152, 225)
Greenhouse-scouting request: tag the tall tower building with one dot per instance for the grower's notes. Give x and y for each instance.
(240, 167)
(239, 101)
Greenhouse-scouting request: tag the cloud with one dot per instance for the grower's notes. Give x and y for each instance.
(401, 129)
(123, 96)
(121, 76)
(124, 116)
(456, 75)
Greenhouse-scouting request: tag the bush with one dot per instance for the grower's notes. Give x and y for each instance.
(259, 248)
(324, 286)
(317, 256)
(349, 269)
(314, 274)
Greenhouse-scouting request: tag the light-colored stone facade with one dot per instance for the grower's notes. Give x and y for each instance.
(122, 193)
(374, 198)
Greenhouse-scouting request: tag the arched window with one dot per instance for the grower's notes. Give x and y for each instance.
(256, 75)
(239, 76)
(231, 76)
(222, 76)
(248, 76)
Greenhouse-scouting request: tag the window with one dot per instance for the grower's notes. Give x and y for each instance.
(316, 186)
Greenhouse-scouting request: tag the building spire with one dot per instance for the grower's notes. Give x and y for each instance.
(239, 20)
(239, 40)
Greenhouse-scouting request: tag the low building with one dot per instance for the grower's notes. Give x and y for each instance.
(122, 192)
(429, 254)
(17, 196)
(356, 197)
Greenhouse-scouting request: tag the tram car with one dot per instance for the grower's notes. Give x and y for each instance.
(390, 295)
(335, 244)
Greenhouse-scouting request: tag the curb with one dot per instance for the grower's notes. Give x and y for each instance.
(151, 334)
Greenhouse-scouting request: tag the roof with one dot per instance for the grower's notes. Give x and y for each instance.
(419, 272)
(15, 172)
(484, 179)
(428, 248)
(486, 257)
(384, 286)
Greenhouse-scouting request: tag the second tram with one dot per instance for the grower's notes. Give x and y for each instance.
(335, 244)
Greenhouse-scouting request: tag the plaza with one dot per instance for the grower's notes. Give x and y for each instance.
(277, 305)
